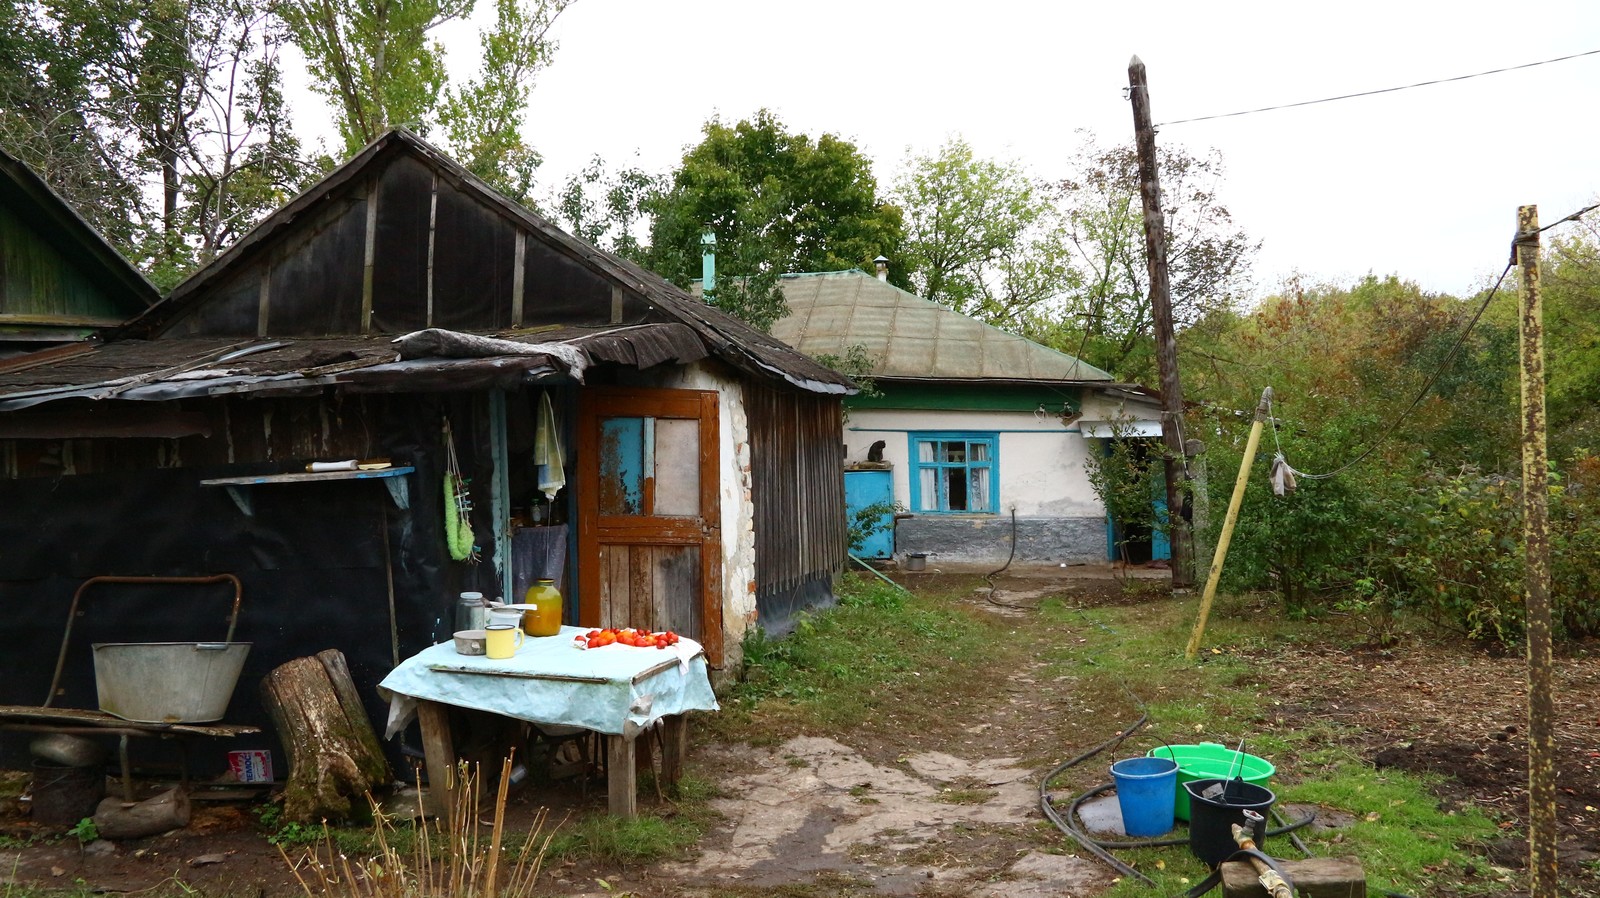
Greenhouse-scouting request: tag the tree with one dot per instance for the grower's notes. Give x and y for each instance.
(374, 60)
(778, 202)
(1208, 258)
(483, 116)
(48, 119)
(379, 67)
(607, 208)
(115, 101)
(982, 237)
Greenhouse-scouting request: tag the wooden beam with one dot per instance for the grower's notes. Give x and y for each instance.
(517, 275)
(622, 782)
(433, 221)
(104, 422)
(1175, 459)
(1318, 877)
(675, 748)
(439, 755)
(369, 254)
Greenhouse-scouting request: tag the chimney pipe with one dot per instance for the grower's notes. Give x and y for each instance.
(708, 262)
(882, 262)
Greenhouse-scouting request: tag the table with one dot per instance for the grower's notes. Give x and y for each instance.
(31, 719)
(617, 690)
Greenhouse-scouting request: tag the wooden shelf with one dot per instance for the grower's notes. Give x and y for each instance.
(391, 477)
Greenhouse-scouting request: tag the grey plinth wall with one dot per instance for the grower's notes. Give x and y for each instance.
(988, 539)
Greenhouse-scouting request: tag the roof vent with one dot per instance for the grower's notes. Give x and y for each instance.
(882, 262)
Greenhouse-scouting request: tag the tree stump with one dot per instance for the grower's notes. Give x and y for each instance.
(334, 755)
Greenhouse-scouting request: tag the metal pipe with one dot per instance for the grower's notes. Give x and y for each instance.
(72, 613)
(877, 573)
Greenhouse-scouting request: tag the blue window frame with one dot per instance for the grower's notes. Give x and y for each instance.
(955, 472)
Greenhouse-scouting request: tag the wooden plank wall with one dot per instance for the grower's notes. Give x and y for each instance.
(797, 485)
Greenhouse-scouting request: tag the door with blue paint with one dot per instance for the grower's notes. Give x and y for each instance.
(649, 512)
(874, 487)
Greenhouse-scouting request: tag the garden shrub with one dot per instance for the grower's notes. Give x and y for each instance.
(1461, 556)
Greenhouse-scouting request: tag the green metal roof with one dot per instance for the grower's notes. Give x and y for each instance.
(910, 337)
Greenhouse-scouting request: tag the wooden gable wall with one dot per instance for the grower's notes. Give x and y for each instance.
(404, 246)
(42, 284)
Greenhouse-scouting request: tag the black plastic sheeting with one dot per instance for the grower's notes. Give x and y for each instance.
(311, 561)
(777, 611)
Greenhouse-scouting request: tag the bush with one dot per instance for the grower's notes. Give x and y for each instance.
(1460, 558)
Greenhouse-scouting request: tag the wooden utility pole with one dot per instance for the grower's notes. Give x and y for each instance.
(1155, 245)
(1536, 582)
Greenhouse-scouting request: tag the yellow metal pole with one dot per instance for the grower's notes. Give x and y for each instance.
(1228, 522)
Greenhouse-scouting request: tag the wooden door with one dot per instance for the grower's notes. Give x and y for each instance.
(649, 515)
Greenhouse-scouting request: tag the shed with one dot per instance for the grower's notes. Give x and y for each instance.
(698, 487)
(986, 435)
(59, 279)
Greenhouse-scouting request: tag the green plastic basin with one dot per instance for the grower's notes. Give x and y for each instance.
(1208, 760)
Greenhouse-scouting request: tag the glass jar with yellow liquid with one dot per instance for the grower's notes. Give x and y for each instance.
(543, 614)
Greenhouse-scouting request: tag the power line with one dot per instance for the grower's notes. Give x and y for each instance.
(1417, 400)
(1386, 90)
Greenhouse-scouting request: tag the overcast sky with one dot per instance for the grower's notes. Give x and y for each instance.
(1423, 183)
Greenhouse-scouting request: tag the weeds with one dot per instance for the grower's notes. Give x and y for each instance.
(455, 858)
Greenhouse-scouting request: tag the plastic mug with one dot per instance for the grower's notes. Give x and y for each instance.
(502, 641)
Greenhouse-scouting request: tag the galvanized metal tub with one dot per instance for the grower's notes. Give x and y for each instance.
(167, 682)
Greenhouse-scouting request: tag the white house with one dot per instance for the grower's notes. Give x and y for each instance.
(978, 427)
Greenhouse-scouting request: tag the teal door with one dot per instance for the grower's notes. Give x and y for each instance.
(864, 488)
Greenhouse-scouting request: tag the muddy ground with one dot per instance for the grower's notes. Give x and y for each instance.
(942, 799)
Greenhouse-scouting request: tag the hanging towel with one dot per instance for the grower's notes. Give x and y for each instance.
(547, 450)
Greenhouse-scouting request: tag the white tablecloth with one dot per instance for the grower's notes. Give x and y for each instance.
(617, 689)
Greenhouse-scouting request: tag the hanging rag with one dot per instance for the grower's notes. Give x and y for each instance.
(1282, 475)
(547, 456)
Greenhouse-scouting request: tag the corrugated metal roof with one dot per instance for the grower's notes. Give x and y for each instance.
(910, 337)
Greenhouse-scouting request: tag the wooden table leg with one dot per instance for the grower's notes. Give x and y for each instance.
(439, 757)
(621, 778)
(675, 747)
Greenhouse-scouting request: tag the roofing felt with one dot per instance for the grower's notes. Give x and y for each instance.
(206, 366)
(910, 337)
(724, 336)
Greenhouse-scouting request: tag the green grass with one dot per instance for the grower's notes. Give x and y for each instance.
(642, 839)
(851, 664)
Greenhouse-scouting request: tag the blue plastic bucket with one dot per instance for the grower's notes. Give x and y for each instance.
(1146, 789)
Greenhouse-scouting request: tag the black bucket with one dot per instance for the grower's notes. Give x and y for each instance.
(1211, 819)
(64, 795)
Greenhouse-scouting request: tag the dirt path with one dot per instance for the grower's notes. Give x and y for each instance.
(948, 810)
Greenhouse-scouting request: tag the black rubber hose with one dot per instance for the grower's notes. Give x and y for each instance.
(1100, 848)
(1083, 839)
